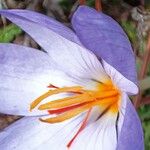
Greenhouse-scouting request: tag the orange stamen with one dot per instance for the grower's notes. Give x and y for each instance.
(106, 96)
(62, 110)
(67, 115)
(74, 112)
(52, 92)
(63, 102)
(83, 125)
(53, 86)
(85, 97)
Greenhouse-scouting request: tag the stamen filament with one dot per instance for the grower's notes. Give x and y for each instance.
(62, 110)
(83, 125)
(52, 92)
(52, 86)
(67, 115)
(64, 102)
(87, 97)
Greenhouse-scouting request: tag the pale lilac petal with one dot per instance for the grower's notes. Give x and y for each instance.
(99, 135)
(76, 61)
(131, 133)
(42, 20)
(25, 75)
(102, 35)
(31, 134)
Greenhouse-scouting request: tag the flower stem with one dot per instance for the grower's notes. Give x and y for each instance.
(143, 71)
(82, 2)
(98, 5)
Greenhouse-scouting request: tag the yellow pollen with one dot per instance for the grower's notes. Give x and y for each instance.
(77, 99)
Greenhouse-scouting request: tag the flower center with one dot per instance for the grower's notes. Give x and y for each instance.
(106, 96)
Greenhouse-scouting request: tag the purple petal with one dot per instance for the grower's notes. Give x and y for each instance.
(41, 20)
(131, 136)
(102, 35)
(119, 80)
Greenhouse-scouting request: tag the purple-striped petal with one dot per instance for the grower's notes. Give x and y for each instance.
(31, 134)
(61, 50)
(131, 135)
(42, 20)
(41, 34)
(102, 35)
(99, 135)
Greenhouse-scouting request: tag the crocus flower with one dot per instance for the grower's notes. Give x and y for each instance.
(75, 94)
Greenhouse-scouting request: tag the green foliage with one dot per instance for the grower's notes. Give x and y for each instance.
(130, 30)
(91, 3)
(147, 4)
(8, 33)
(145, 83)
(66, 5)
(138, 64)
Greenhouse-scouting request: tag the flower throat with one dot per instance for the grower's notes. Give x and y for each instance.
(105, 96)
